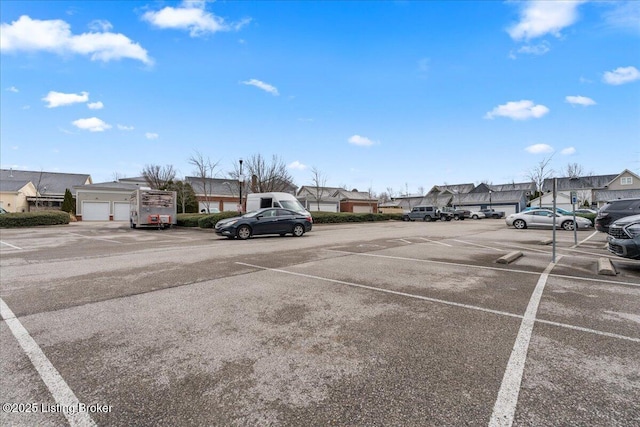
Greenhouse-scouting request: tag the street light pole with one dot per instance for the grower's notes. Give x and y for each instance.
(490, 199)
(240, 184)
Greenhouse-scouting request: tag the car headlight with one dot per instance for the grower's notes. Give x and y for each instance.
(633, 230)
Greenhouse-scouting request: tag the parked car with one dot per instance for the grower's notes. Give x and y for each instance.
(2, 211)
(544, 218)
(614, 210)
(458, 214)
(427, 213)
(492, 213)
(477, 215)
(549, 208)
(624, 237)
(265, 221)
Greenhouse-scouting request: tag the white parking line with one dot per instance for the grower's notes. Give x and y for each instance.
(10, 245)
(57, 386)
(579, 243)
(440, 301)
(435, 241)
(480, 246)
(94, 238)
(523, 247)
(505, 406)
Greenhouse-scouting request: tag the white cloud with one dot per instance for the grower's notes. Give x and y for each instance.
(361, 141)
(191, 15)
(542, 17)
(59, 99)
(537, 49)
(518, 110)
(262, 85)
(568, 151)
(55, 36)
(580, 100)
(92, 124)
(123, 127)
(624, 15)
(95, 105)
(13, 89)
(621, 76)
(539, 149)
(100, 25)
(151, 135)
(297, 165)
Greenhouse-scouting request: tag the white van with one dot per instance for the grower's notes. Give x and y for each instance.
(257, 201)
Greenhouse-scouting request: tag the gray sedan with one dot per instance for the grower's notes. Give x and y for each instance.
(544, 218)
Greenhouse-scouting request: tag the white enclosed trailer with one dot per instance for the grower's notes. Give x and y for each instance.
(257, 201)
(153, 208)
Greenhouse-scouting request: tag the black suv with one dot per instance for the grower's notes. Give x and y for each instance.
(616, 209)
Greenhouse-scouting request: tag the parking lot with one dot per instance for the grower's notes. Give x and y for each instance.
(377, 324)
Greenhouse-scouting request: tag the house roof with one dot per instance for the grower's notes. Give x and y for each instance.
(363, 196)
(227, 187)
(607, 195)
(12, 186)
(626, 171)
(455, 188)
(526, 186)
(49, 183)
(310, 193)
(581, 183)
(112, 185)
(497, 197)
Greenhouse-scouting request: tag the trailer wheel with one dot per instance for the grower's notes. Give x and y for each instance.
(244, 232)
(131, 224)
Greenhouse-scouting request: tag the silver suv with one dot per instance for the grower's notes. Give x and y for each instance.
(427, 213)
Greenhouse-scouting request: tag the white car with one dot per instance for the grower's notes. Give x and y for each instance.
(477, 215)
(544, 218)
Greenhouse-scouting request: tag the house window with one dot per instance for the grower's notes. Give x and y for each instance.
(626, 180)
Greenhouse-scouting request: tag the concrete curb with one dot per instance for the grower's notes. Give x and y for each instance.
(605, 268)
(509, 258)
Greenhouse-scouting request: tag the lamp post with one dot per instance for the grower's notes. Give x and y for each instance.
(240, 184)
(490, 199)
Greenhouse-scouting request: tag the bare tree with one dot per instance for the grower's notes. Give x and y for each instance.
(574, 170)
(372, 197)
(204, 171)
(41, 188)
(158, 177)
(267, 177)
(117, 176)
(391, 193)
(539, 173)
(319, 181)
(421, 190)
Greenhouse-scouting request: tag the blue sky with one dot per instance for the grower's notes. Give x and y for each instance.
(402, 95)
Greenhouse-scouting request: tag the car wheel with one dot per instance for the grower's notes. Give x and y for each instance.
(567, 225)
(298, 230)
(475, 217)
(427, 218)
(456, 217)
(519, 224)
(244, 232)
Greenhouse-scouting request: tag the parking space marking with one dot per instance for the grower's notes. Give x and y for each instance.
(435, 241)
(58, 387)
(523, 247)
(505, 406)
(579, 243)
(483, 267)
(386, 291)
(10, 245)
(94, 238)
(480, 246)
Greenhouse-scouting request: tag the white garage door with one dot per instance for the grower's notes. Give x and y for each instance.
(324, 207)
(230, 206)
(95, 211)
(121, 211)
(362, 209)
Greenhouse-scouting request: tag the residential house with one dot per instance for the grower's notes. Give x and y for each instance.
(46, 191)
(105, 201)
(593, 191)
(356, 201)
(319, 198)
(221, 193)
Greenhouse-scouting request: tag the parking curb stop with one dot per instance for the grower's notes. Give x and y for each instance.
(509, 258)
(605, 268)
(546, 242)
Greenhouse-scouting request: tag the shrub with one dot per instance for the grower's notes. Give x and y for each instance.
(341, 217)
(203, 220)
(32, 219)
(591, 217)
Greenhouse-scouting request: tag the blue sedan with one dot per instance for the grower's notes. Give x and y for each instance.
(265, 221)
